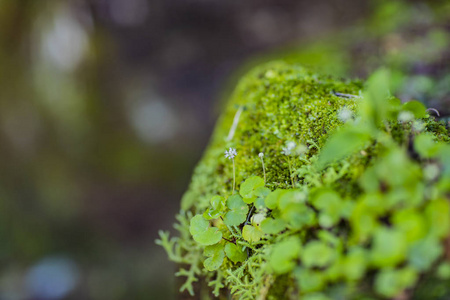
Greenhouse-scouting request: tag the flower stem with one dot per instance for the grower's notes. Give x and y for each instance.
(290, 173)
(264, 169)
(234, 177)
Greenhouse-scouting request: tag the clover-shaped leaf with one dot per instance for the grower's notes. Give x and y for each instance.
(251, 234)
(249, 186)
(272, 226)
(217, 208)
(203, 233)
(235, 253)
(283, 255)
(238, 211)
(216, 256)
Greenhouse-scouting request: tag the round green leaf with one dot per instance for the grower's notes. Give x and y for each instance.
(251, 234)
(235, 253)
(417, 108)
(216, 256)
(217, 208)
(261, 192)
(249, 186)
(203, 233)
(217, 202)
(272, 226)
(210, 214)
(238, 211)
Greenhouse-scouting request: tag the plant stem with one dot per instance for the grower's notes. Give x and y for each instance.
(264, 169)
(228, 240)
(290, 173)
(249, 215)
(234, 177)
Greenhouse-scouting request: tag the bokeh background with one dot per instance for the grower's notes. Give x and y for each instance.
(107, 105)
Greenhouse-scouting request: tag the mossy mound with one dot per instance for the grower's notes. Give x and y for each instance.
(340, 194)
(278, 103)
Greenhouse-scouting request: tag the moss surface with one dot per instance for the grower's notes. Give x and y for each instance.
(280, 103)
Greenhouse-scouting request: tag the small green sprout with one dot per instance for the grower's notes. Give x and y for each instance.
(217, 208)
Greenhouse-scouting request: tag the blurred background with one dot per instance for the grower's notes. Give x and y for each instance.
(107, 105)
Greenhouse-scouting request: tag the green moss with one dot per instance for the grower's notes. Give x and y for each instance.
(280, 103)
(356, 191)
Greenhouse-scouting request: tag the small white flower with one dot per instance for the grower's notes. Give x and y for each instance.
(345, 114)
(288, 149)
(230, 154)
(405, 116)
(261, 155)
(418, 125)
(291, 145)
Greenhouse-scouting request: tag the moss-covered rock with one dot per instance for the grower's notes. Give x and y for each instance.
(341, 193)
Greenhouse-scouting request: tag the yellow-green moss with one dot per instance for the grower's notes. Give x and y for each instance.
(280, 103)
